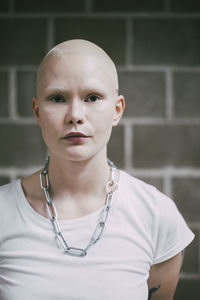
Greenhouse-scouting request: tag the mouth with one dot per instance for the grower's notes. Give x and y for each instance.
(75, 134)
(75, 137)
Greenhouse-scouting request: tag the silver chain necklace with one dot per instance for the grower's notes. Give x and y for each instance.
(52, 213)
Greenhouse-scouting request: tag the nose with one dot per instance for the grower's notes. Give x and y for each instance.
(75, 114)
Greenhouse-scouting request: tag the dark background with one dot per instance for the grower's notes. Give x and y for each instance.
(156, 47)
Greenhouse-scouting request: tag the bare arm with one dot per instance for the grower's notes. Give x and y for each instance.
(164, 277)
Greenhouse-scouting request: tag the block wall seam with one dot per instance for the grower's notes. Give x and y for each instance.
(160, 121)
(136, 172)
(167, 184)
(50, 33)
(13, 94)
(194, 226)
(89, 6)
(159, 68)
(120, 68)
(128, 149)
(18, 120)
(13, 173)
(169, 99)
(199, 254)
(134, 15)
(129, 43)
(189, 276)
(19, 67)
(11, 6)
(170, 171)
(132, 68)
(125, 121)
(167, 6)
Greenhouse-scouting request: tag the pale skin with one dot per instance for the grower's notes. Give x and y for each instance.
(77, 92)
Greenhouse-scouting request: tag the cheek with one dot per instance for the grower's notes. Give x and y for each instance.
(107, 116)
(49, 123)
(49, 116)
(103, 122)
(104, 112)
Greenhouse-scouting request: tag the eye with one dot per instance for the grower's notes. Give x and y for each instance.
(92, 98)
(57, 99)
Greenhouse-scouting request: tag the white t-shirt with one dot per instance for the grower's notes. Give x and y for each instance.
(143, 228)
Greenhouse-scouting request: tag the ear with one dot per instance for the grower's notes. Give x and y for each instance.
(35, 107)
(119, 109)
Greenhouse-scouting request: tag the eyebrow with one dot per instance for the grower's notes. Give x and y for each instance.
(66, 91)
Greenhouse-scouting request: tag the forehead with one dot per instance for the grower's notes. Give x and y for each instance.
(75, 66)
(74, 69)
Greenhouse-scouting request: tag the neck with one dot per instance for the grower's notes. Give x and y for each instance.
(78, 178)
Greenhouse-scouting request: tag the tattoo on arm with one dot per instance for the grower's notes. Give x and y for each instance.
(152, 291)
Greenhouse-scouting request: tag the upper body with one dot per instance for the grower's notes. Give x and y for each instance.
(144, 229)
(76, 106)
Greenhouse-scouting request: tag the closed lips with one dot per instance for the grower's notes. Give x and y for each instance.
(75, 134)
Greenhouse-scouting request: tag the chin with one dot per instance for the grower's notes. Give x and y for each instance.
(76, 156)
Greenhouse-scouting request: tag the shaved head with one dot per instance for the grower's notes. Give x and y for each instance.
(79, 48)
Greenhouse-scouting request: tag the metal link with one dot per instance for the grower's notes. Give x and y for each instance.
(62, 241)
(111, 186)
(44, 180)
(50, 205)
(98, 232)
(76, 251)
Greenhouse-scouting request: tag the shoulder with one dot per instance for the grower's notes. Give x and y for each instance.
(8, 193)
(150, 199)
(151, 204)
(139, 203)
(145, 193)
(7, 189)
(140, 194)
(159, 215)
(130, 182)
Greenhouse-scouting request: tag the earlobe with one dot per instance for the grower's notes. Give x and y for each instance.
(119, 109)
(35, 108)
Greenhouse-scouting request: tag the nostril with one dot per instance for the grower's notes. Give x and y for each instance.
(73, 122)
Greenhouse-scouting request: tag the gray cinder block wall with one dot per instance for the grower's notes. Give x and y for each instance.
(156, 46)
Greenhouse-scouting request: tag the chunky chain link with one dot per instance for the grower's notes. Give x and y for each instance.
(111, 186)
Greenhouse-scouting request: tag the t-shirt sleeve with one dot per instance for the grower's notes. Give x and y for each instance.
(173, 233)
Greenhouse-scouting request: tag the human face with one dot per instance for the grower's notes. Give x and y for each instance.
(76, 106)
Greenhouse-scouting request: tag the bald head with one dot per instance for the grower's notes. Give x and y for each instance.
(79, 48)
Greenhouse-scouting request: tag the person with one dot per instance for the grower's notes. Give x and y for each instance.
(80, 228)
